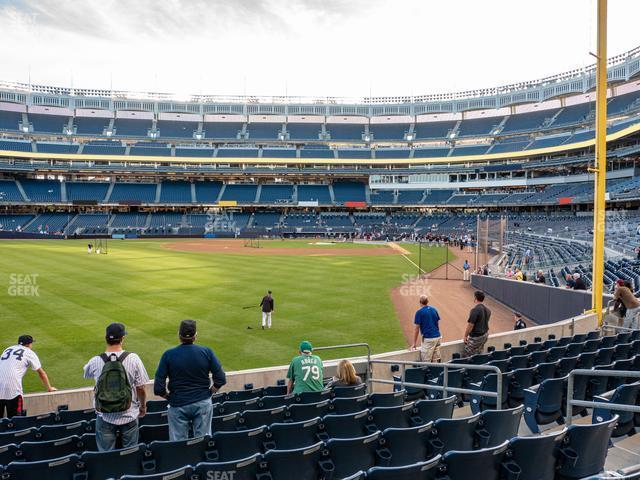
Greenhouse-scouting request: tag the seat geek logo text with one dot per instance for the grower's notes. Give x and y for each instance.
(23, 285)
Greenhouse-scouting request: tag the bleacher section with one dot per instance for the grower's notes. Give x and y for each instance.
(175, 192)
(133, 193)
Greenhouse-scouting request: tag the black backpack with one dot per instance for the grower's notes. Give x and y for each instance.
(113, 390)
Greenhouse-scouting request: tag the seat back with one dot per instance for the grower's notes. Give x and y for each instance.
(457, 433)
(426, 411)
(73, 416)
(22, 423)
(173, 455)
(224, 423)
(18, 436)
(256, 418)
(64, 467)
(115, 463)
(158, 418)
(550, 395)
(342, 406)
(288, 436)
(154, 406)
(536, 456)
(349, 391)
(496, 426)
(245, 469)
(392, 417)
(38, 451)
(234, 446)
(408, 445)
(302, 463)
(53, 432)
(352, 425)
(387, 399)
(269, 402)
(584, 449)
(302, 412)
(352, 455)
(183, 473)
(313, 397)
(152, 433)
(467, 465)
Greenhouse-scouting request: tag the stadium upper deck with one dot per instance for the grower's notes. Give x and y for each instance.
(522, 121)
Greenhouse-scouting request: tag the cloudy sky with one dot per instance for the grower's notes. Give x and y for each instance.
(302, 47)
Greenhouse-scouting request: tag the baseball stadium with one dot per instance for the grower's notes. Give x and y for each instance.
(455, 276)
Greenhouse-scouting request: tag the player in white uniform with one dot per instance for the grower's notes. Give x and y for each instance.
(14, 363)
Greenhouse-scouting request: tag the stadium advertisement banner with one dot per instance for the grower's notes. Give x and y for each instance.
(565, 200)
(355, 204)
(313, 203)
(228, 203)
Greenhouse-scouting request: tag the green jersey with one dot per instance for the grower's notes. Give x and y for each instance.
(307, 373)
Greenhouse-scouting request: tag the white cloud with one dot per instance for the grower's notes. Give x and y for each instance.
(303, 47)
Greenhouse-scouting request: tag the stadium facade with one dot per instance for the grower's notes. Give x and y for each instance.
(80, 161)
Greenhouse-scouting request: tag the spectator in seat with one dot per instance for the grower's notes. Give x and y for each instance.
(426, 325)
(624, 294)
(122, 421)
(189, 389)
(578, 283)
(477, 331)
(14, 363)
(345, 375)
(306, 372)
(519, 275)
(569, 280)
(540, 277)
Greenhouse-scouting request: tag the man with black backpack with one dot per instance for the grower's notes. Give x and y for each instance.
(119, 392)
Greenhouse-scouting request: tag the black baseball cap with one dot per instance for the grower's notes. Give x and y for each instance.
(187, 329)
(25, 339)
(115, 331)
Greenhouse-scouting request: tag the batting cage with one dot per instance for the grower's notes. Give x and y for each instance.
(490, 239)
(102, 246)
(252, 242)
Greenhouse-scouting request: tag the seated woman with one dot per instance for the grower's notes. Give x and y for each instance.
(345, 375)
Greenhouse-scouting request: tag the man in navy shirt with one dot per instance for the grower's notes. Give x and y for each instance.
(426, 324)
(189, 391)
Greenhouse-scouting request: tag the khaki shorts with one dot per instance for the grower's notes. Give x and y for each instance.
(430, 349)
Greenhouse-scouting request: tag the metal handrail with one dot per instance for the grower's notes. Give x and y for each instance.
(444, 388)
(607, 406)
(354, 345)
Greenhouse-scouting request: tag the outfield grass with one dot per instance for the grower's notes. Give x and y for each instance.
(327, 300)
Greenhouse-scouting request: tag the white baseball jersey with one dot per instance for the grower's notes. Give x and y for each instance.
(137, 378)
(14, 363)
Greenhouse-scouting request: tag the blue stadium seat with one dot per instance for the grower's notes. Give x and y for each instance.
(342, 406)
(289, 436)
(604, 356)
(387, 399)
(456, 380)
(313, 397)
(382, 418)
(53, 432)
(154, 406)
(301, 463)
(233, 446)
(115, 463)
(274, 401)
(237, 406)
(58, 469)
(152, 433)
(353, 425)
(240, 395)
(518, 361)
(245, 469)
(545, 371)
(307, 411)
(47, 450)
(8, 454)
(224, 423)
(168, 456)
(426, 411)
(158, 418)
(88, 443)
(349, 392)
(622, 395)
(456, 433)
(536, 456)
(22, 423)
(584, 449)
(521, 379)
(497, 426)
(489, 461)
(565, 365)
(18, 436)
(408, 445)
(272, 390)
(73, 416)
(349, 456)
(490, 384)
(418, 471)
(183, 473)
(543, 403)
(256, 418)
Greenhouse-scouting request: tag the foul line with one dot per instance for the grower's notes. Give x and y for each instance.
(413, 263)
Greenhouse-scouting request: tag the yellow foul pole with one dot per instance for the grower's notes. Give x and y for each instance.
(600, 169)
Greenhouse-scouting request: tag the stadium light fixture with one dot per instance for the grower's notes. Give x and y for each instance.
(198, 136)
(410, 137)
(25, 129)
(367, 137)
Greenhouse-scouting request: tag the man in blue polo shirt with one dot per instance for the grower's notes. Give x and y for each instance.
(426, 324)
(188, 368)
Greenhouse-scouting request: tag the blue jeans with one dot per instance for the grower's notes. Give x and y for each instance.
(198, 415)
(106, 434)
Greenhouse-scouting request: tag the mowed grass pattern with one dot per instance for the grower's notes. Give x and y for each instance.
(327, 300)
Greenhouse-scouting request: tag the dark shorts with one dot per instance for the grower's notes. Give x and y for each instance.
(12, 407)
